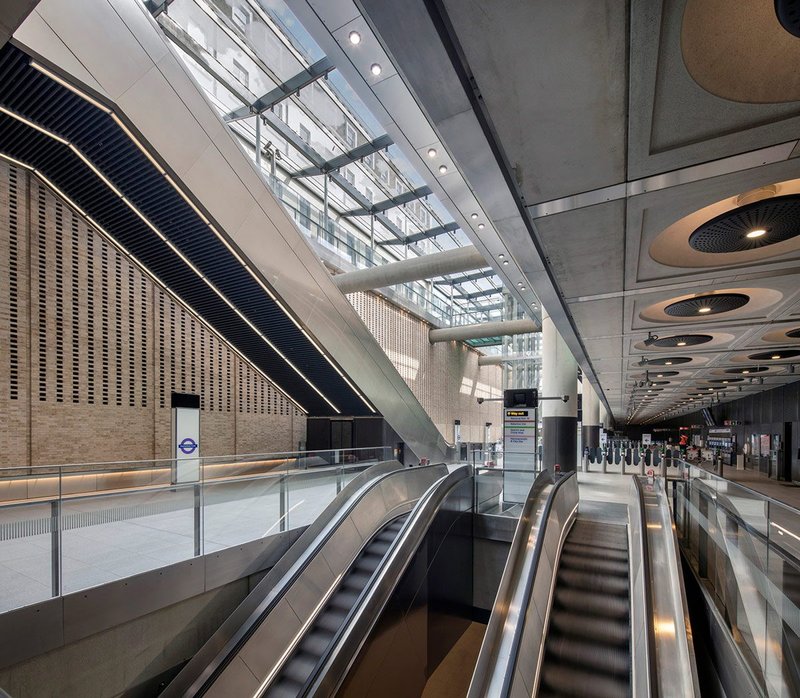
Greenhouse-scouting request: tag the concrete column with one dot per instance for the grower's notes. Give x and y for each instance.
(559, 419)
(590, 432)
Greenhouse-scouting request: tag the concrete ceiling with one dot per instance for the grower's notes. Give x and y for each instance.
(607, 140)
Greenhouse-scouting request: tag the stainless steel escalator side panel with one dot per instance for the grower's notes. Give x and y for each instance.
(643, 681)
(673, 660)
(285, 614)
(509, 662)
(199, 667)
(334, 668)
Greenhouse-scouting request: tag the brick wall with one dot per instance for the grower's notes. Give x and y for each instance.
(91, 348)
(445, 377)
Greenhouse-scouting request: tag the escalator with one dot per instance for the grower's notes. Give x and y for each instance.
(587, 649)
(319, 637)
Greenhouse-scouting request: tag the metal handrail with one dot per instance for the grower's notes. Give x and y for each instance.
(498, 655)
(310, 547)
(332, 668)
(644, 550)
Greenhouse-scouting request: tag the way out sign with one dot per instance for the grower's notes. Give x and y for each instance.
(185, 437)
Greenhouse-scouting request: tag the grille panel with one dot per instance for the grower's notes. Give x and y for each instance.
(687, 340)
(749, 369)
(779, 353)
(779, 216)
(669, 361)
(718, 303)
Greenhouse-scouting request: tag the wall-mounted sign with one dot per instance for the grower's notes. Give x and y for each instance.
(647, 439)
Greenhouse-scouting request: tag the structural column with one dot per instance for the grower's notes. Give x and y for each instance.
(590, 432)
(559, 419)
(603, 415)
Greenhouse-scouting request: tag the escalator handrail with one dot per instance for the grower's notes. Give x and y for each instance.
(322, 533)
(644, 551)
(496, 664)
(333, 666)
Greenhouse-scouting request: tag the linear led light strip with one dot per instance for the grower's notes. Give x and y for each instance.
(144, 268)
(202, 216)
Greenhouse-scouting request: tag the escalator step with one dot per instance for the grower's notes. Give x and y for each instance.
(588, 656)
(368, 562)
(299, 667)
(567, 681)
(316, 641)
(379, 548)
(592, 604)
(595, 551)
(597, 565)
(285, 689)
(591, 628)
(356, 581)
(331, 619)
(344, 599)
(593, 583)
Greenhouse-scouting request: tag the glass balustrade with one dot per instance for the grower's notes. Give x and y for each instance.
(64, 528)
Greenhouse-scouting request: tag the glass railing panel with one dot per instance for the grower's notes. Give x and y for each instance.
(27, 535)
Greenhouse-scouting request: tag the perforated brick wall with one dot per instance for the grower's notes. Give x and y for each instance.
(91, 348)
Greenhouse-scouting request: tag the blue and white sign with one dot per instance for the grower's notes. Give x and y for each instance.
(186, 441)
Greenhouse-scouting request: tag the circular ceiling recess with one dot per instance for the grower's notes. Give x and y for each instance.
(748, 227)
(747, 369)
(669, 361)
(683, 340)
(776, 355)
(794, 334)
(712, 304)
(726, 380)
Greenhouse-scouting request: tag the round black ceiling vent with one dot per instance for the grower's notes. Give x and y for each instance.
(747, 369)
(683, 340)
(751, 226)
(794, 334)
(788, 13)
(726, 380)
(666, 374)
(711, 304)
(669, 361)
(775, 355)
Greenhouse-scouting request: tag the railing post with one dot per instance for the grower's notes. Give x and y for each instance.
(55, 546)
(198, 520)
(284, 501)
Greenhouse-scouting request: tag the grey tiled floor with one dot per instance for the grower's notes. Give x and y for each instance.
(106, 549)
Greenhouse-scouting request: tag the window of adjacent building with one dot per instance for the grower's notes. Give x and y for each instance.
(242, 16)
(305, 134)
(349, 134)
(304, 209)
(240, 73)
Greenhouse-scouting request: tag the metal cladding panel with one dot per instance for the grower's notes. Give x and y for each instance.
(43, 101)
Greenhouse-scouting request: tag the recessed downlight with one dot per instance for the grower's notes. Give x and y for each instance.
(442, 169)
(757, 233)
(501, 256)
(375, 69)
(681, 344)
(481, 226)
(704, 309)
(474, 216)
(432, 152)
(775, 356)
(354, 38)
(505, 262)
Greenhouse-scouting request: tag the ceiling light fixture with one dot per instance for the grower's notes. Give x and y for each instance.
(481, 226)
(704, 309)
(775, 356)
(474, 216)
(651, 339)
(432, 152)
(681, 344)
(375, 69)
(757, 233)
(505, 262)
(355, 38)
(500, 256)
(442, 169)
(668, 363)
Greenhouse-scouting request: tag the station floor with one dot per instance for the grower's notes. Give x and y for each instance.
(786, 492)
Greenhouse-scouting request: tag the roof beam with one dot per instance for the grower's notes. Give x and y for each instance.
(500, 328)
(393, 202)
(478, 294)
(449, 281)
(497, 359)
(426, 267)
(347, 158)
(424, 235)
(286, 89)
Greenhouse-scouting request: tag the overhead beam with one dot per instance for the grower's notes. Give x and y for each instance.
(426, 267)
(500, 328)
(347, 158)
(156, 7)
(424, 235)
(486, 273)
(498, 359)
(478, 294)
(393, 202)
(286, 89)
